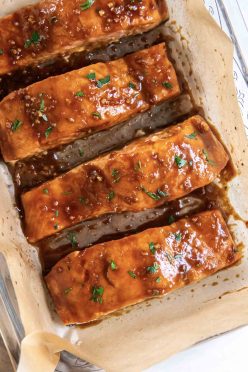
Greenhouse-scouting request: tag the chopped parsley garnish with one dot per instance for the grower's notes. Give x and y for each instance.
(158, 280)
(191, 135)
(72, 238)
(81, 152)
(48, 131)
(132, 85)
(178, 256)
(82, 200)
(103, 81)
(42, 108)
(153, 269)
(56, 226)
(137, 166)
(169, 257)
(180, 162)
(97, 293)
(205, 153)
(87, 4)
(116, 175)
(113, 265)
(167, 85)
(1, 52)
(171, 219)
(16, 124)
(155, 196)
(96, 114)
(111, 195)
(35, 39)
(132, 274)
(56, 213)
(67, 290)
(79, 94)
(178, 236)
(152, 247)
(45, 191)
(91, 76)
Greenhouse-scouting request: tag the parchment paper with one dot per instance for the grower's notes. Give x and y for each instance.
(156, 329)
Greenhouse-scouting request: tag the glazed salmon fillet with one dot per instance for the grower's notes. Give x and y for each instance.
(61, 109)
(89, 284)
(145, 174)
(41, 32)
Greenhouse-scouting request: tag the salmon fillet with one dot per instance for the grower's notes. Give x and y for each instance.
(87, 285)
(144, 174)
(60, 109)
(41, 32)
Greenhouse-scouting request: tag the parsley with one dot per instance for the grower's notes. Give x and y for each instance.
(35, 39)
(96, 114)
(79, 94)
(81, 152)
(91, 76)
(113, 265)
(1, 51)
(87, 4)
(45, 191)
(116, 175)
(97, 293)
(153, 269)
(192, 135)
(103, 81)
(42, 108)
(132, 85)
(67, 290)
(111, 195)
(56, 213)
(178, 236)
(72, 238)
(178, 256)
(162, 193)
(167, 85)
(205, 153)
(169, 257)
(16, 124)
(152, 247)
(153, 195)
(56, 226)
(137, 166)
(82, 200)
(48, 131)
(132, 274)
(158, 280)
(171, 219)
(180, 162)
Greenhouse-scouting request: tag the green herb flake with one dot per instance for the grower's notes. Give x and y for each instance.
(45, 191)
(138, 166)
(81, 152)
(56, 226)
(86, 5)
(153, 269)
(132, 274)
(16, 124)
(56, 213)
(171, 219)
(67, 290)
(155, 196)
(48, 131)
(158, 280)
(1, 51)
(111, 195)
(96, 114)
(167, 85)
(113, 265)
(132, 85)
(71, 236)
(169, 258)
(103, 81)
(178, 236)
(35, 39)
(91, 76)
(178, 256)
(116, 175)
(97, 293)
(79, 94)
(82, 200)
(161, 193)
(152, 247)
(205, 153)
(180, 162)
(192, 135)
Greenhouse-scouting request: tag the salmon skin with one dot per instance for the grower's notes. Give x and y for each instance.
(145, 174)
(87, 285)
(39, 33)
(60, 109)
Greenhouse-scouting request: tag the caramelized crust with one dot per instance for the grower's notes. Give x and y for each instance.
(60, 109)
(40, 32)
(87, 285)
(144, 174)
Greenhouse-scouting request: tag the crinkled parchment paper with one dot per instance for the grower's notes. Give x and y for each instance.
(153, 330)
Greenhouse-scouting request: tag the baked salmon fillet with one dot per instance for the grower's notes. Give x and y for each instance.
(144, 174)
(89, 284)
(61, 109)
(41, 32)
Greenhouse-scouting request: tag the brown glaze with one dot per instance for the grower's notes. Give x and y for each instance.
(87, 285)
(60, 109)
(41, 32)
(145, 174)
